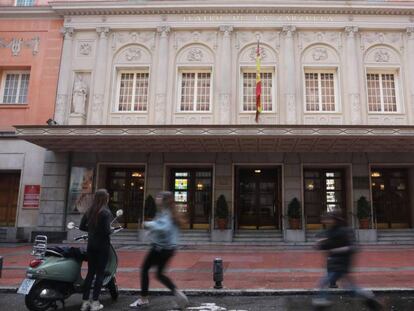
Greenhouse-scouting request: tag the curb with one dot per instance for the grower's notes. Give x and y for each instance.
(243, 292)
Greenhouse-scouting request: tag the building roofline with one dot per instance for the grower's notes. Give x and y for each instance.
(231, 7)
(28, 12)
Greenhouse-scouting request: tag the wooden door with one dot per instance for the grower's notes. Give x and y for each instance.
(9, 192)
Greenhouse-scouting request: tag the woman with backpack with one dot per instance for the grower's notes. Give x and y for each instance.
(163, 233)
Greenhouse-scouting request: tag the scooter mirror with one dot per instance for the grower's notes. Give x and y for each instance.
(119, 213)
(70, 225)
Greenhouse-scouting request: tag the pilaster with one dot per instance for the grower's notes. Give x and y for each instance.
(62, 103)
(290, 77)
(162, 71)
(353, 96)
(96, 113)
(225, 75)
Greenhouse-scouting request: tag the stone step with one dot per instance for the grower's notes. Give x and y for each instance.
(396, 239)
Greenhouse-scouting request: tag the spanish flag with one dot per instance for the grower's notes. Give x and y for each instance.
(258, 83)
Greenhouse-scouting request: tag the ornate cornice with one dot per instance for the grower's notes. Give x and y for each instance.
(230, 7)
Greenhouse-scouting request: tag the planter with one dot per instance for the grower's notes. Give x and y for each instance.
(222, 223)
(294, 223)
(364, 223)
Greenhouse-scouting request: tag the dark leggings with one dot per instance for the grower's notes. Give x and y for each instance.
(97, 260)
(160, 259)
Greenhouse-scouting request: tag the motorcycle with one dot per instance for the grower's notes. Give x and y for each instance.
(55, 273)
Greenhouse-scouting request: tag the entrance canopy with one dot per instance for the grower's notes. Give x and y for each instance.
(214, 138)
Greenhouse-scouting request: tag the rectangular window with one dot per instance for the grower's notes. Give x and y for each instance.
(24, 2)
(382, 94)
(133, 91)
(195, 91)
(249, 90)
(15, 86)
(321, 91)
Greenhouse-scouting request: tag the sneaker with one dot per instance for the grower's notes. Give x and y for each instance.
(86, 305)
(140, 302)
(96, 306)
(181, 298)
(321, 302)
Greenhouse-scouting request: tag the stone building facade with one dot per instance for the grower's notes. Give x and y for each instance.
(160, 95)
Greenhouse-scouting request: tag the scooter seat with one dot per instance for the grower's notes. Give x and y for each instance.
(68, 252)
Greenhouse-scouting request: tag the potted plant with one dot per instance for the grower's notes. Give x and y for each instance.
(222, 212)
(363, 212)
(294, 214)
(150, 207)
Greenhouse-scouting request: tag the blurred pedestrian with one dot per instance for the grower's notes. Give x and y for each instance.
(338, 241)
(163, 233)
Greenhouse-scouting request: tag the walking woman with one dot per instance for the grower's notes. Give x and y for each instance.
(163, 233)
(97, 222)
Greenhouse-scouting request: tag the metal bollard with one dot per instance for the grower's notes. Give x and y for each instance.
(218, 273)
(1, 265)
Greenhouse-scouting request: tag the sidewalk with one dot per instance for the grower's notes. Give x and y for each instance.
(245, 268)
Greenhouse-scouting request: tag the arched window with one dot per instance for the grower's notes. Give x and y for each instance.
(382, 66)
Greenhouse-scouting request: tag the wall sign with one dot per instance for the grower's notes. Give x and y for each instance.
(31, 196)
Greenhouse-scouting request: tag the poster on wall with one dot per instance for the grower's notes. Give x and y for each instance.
(31, 196)
(80, 189)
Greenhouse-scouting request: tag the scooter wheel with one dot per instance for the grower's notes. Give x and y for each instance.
(113, 289)
(34, 302)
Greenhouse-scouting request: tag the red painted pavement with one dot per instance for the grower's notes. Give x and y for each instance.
(246, 269)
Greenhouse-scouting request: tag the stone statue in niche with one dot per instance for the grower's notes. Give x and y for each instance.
(80, 94)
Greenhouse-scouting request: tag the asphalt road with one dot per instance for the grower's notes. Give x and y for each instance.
(392, 302)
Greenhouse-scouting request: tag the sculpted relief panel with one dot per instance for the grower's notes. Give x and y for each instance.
(307, 38)
(133, 54)
(182, 38)
(123, 38)
(270, 38)
(369, 39)
(320, 54)
(382, 55)
(195, 54)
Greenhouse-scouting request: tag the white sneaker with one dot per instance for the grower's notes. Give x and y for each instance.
(96, 306)
(140, 302)
(86, 304)
(181, 298)
(321, 302)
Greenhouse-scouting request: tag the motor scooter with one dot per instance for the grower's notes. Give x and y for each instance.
(54, 275)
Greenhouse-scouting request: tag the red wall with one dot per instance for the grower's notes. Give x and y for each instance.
(44, 69)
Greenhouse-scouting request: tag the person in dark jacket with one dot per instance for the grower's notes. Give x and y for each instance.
(338, 242)
(97, 222)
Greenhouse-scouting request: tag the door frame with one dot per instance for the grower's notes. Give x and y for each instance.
(19, 193)
(279, 181)
(203, 165)
(349, 193)
(406, 166)
(106, 165)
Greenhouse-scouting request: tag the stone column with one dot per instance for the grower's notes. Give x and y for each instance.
(62, 102)
(99, 76)
(162, 71)
(290, 76)
(410, 71)
(352, 74)
(225, 75)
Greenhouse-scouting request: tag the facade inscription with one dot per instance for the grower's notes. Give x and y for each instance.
(262, 18)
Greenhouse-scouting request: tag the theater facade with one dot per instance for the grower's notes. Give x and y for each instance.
(160, 95)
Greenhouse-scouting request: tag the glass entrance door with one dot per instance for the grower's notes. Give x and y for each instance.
(257, 198)
(193, 195)
(9, 192)
(126, 190)
(390, 198)
(324, 191)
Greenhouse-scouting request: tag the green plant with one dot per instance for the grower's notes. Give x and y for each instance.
(150, 207)
(294, 209)
(363, 208)
(222, 208)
